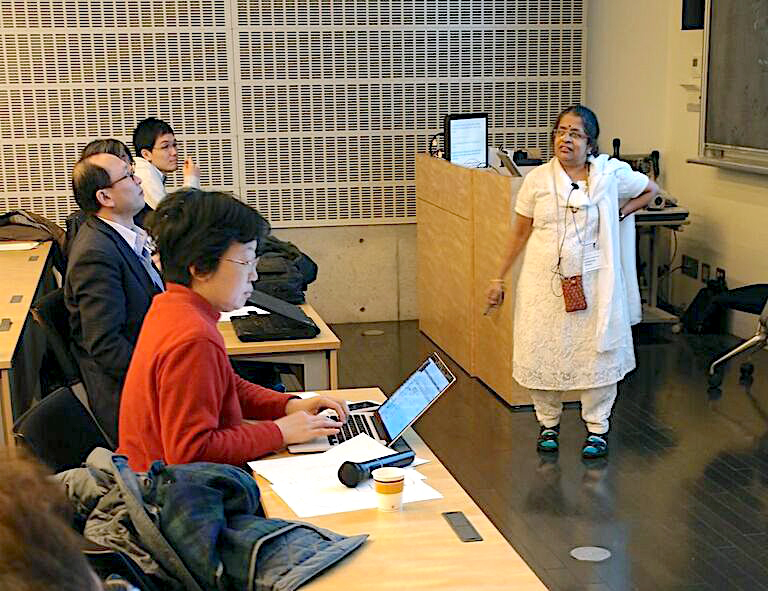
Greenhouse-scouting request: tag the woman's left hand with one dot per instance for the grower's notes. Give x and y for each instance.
(317, 404)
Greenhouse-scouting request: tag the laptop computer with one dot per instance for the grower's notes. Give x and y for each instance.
(284, 321)
(394, 416)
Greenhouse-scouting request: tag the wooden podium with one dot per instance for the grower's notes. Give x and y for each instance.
(464, 219)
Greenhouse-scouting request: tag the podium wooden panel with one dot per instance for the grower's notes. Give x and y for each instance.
(492, 342)
(464, 219)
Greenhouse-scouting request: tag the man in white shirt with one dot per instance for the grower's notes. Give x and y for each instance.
(110, 280)
(157, 156)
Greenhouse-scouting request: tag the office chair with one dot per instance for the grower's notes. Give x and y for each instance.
(60, 431)
(758, 341)
(50, 313)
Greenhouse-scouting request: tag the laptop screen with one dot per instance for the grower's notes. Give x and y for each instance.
(415, 395)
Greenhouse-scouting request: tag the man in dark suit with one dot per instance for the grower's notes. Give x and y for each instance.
(110, 280)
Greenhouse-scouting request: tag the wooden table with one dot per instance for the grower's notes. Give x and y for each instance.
(319, 355)
(415, 548)
(20, 272)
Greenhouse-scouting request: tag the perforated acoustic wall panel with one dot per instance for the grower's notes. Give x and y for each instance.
(311, 111)
(72, 71)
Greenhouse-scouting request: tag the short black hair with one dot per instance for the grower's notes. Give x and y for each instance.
(146, 133)
(108, 146)
(588, 119)
(193, 228)
(87, 180)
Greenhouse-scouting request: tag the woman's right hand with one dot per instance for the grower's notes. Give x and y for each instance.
(494, 295)
(302, 426)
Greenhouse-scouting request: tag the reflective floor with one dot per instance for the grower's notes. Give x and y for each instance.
(682, 503)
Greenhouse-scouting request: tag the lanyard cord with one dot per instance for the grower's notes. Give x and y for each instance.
(561, 243)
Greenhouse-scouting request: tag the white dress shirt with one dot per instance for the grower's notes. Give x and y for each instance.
(153, 182)
(138, 240)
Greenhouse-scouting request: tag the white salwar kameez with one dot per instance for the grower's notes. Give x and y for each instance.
(557, 350)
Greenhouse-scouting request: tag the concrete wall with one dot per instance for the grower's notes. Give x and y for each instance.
(366, 273)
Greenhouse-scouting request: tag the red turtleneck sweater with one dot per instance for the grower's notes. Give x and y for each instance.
(182, 401)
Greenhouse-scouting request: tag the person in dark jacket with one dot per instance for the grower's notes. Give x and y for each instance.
(110, 280)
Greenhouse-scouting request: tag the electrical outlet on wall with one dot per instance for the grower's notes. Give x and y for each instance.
(696, 67)
(690, 266)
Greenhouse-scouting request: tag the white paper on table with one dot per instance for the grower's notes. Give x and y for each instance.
(322, 469)
(314, 500)
(244, 311)
(18, 245)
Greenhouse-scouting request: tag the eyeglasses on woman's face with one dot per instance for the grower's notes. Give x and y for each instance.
(575, 134)
(250, 264)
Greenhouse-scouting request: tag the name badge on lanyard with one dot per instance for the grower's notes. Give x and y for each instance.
(593, 258)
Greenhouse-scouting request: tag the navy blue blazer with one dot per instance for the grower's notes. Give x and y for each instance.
(107, 292)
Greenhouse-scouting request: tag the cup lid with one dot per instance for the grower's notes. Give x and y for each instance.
(388, 474)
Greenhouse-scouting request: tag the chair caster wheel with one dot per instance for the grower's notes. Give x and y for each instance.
(714, 393)
(715, 380)
(747, 369)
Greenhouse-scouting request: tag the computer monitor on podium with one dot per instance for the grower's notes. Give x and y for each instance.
(466, 139)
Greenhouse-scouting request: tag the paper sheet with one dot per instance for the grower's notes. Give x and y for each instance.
(310, 486)
(18, 245)
(337, 498)
(244, 311)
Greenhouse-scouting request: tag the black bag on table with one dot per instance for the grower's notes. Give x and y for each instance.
(284, 271)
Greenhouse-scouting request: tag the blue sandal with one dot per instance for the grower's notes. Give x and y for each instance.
(548, 439)
(595, 446)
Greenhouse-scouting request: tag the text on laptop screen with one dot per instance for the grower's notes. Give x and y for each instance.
(412, 397)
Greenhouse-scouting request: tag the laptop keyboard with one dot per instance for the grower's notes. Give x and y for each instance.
(355, 425)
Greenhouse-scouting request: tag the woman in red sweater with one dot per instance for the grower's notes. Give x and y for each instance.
(182, 401)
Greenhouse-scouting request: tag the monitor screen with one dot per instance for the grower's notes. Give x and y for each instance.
(466, 139)
(415, 395)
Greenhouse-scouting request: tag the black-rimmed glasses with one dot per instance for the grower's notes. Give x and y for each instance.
(129, 175)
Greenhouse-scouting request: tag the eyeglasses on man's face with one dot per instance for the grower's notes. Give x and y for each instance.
(574, 134)
(166, 146)
(129, 175)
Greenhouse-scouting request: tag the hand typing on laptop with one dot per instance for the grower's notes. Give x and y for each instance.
(303, 421)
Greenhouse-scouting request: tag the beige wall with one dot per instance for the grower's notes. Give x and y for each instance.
(626, 71)
(366, 273)
(637, 60)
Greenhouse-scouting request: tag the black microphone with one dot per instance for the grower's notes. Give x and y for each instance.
(574, 186)
(353, 473)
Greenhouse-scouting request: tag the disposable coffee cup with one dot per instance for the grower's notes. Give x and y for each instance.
(388, 483)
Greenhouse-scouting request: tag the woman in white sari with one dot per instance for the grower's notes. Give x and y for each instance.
(577, 295)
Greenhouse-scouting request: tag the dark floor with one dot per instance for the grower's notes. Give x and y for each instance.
(682, 503)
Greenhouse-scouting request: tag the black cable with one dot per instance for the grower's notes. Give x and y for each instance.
(434, 147)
